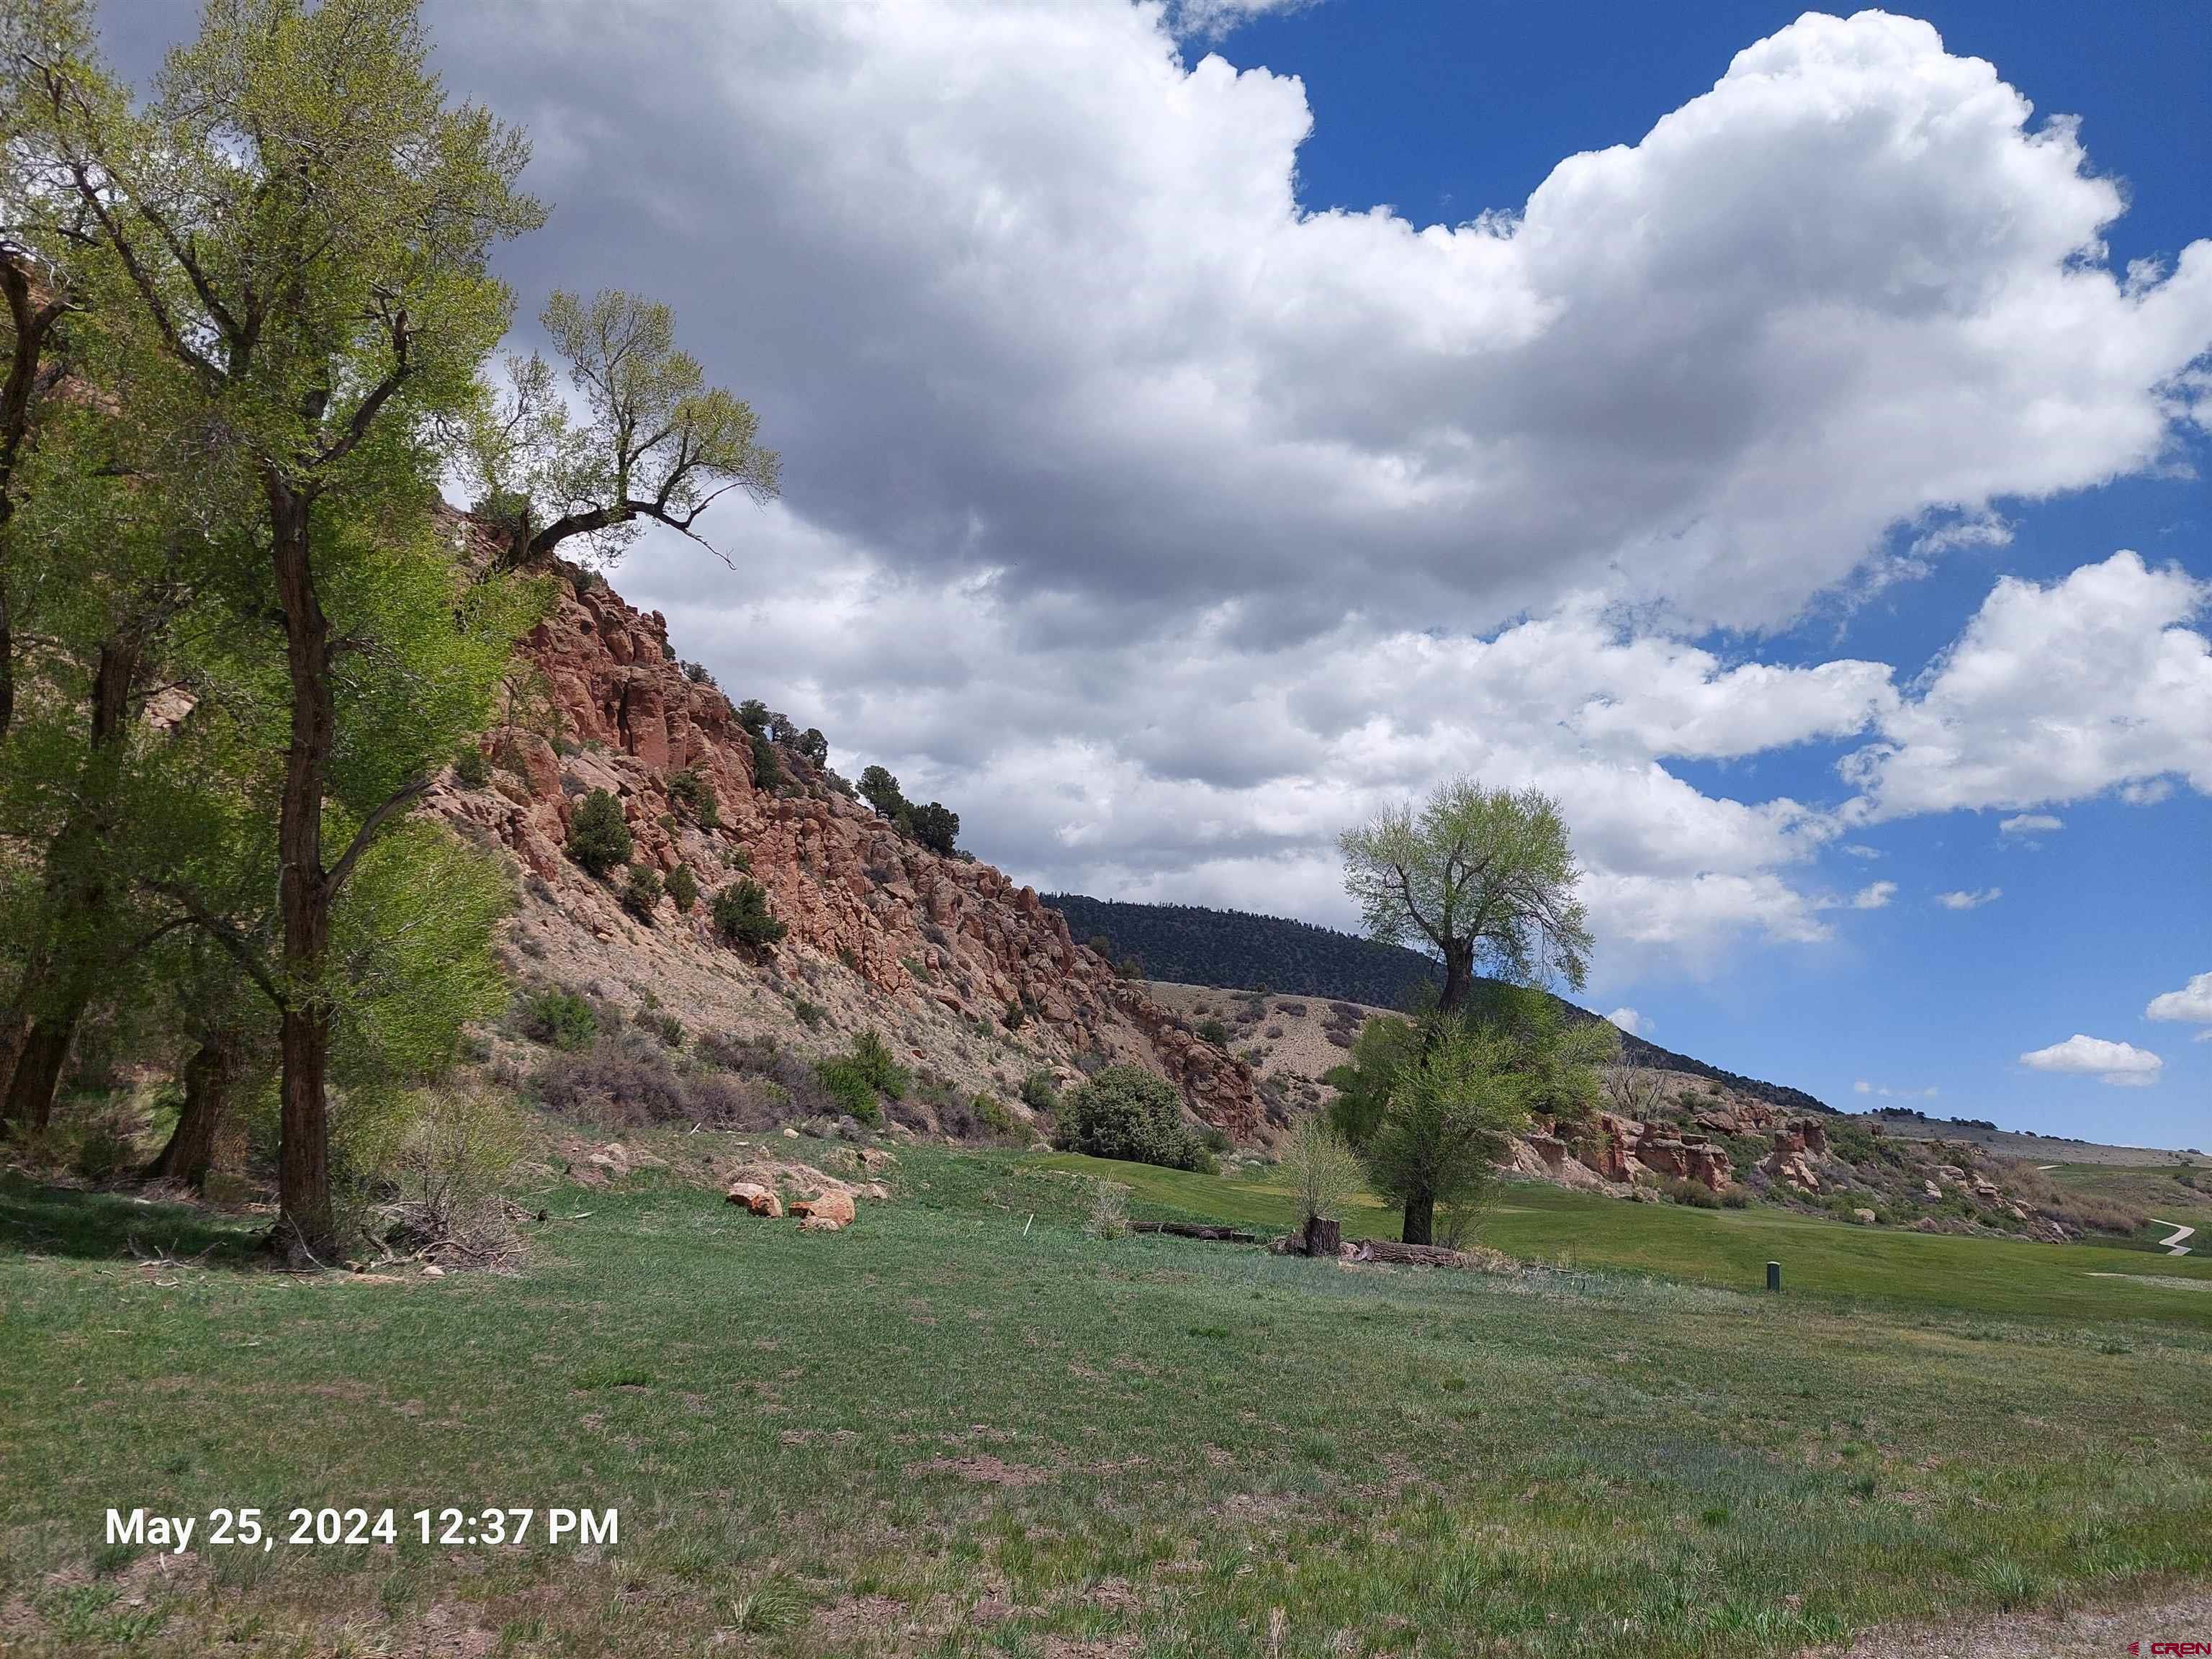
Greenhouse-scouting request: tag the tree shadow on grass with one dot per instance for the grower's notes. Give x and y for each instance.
(36, 1219)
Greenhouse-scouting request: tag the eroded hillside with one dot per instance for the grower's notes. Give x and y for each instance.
(968, 975)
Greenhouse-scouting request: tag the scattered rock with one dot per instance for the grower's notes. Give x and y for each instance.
(760, 1201)
(1864, 1218)
(432, 1270)
(826, 1212)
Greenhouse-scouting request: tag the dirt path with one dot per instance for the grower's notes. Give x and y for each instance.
(2172, 1243)
(2183, 1616)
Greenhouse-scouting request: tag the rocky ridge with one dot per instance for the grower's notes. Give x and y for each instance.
(967, 973)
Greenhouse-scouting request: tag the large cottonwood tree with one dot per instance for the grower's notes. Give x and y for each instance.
(305, 221)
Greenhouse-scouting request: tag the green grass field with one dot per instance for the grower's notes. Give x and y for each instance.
(964, 1426)
(1731, 1247)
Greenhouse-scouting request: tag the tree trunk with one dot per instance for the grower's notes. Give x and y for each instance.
(208, 1077)
(307, 1228)
(1459, 977)
(1323, 1237)
(1420, 1219)
(39, 1062)
(57, 989)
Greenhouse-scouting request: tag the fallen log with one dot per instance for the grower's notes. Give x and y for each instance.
(1390, 1250)
(1193, 1230)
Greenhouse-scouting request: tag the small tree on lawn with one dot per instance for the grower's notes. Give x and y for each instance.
(1324, 1173)
(1449, 1117)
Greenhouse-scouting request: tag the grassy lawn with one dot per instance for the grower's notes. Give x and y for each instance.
(964, 1426)
(1731, 1247)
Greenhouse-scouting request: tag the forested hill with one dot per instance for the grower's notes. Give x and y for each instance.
(1190, 945)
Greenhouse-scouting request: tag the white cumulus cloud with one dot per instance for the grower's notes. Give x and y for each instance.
(2122, 1064)
(1874, 895)
(2030, 823)
(2192, 1003)
(1632, 1022)
(2055, 694)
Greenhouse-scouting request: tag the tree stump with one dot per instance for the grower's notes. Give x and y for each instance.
(1323, 1235)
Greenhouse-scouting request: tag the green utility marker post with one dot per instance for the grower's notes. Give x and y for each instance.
(1774, 1275)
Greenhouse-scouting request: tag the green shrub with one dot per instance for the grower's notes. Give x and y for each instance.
(1014, 1018)
(1322, 1169)
(1038, 1094)
(858, 1080)
(811, 1014)
(1213, 1031)
(742, 916)
(768, 771)
(684, 889)
(643, 892)
(849, 1087)
(1125, 1112)
(562, 1019)
(598, 839)
(471, 769)
(691, 790)
(873, 1057)
(739, 859)
(753, 715)
(994, 1116)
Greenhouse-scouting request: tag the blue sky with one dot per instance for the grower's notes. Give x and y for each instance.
(1205, 424)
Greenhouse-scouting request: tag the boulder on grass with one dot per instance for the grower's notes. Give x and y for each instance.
(826, 1212)
(760, 1200)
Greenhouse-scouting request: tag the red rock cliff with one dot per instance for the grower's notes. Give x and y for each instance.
(946, 945)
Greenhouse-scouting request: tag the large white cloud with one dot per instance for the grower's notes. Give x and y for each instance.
(1025, 289)
(2122, 1064)
(2054, 693)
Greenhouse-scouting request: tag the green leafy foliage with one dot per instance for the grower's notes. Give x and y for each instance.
(1038, 1093)
(598, 837)
(1483, 877)
(860, 1080)
(1446, 1120)
(1125, 1112)
(471, 767)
